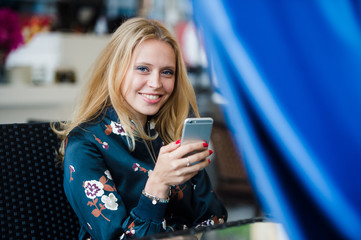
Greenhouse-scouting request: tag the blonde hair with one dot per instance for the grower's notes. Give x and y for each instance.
(107, 77)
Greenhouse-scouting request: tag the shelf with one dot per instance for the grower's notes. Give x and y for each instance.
(35, 96)
(23, 103)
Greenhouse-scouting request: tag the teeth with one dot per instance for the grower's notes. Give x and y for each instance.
(152, 97)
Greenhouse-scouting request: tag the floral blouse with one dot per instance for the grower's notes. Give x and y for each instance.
(103, 181)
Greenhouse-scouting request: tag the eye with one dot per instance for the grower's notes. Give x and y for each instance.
(142, 68)
(168, 72)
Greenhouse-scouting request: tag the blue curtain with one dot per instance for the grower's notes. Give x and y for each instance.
(290, 72)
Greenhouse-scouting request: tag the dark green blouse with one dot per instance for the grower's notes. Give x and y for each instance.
(103, 181)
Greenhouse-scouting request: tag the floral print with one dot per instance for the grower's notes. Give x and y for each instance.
(177, 191)
(95, 189)
(117, 128)
(110, 201)
(104, 144)
(72, 169)
(130, 232)
(137, 167)
(108, 129)
(98, 209)
(107, 173)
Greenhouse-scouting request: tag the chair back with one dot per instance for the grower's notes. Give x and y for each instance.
(32, 200)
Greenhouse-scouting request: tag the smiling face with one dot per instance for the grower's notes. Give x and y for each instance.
(150, 79)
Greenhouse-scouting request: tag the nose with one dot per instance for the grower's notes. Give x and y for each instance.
(155, 81)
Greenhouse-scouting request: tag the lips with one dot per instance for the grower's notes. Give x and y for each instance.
(151, 98)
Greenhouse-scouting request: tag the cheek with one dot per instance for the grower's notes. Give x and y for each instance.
(169, 86)
(131, 85)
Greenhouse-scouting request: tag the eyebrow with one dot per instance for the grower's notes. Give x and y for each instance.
(148, 64)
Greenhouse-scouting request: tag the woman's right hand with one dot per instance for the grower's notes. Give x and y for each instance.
(172, 168)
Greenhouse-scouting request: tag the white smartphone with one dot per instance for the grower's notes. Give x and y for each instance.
(196, 129)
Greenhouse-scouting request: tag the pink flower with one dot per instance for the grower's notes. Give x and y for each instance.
(136, 167)
(10, 30)
(105, 145)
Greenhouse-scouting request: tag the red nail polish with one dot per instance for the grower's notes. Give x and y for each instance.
(205, 144)
(210, 151)
(209, 160)
(178, 141)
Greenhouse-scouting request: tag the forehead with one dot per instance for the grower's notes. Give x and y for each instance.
(154, 50)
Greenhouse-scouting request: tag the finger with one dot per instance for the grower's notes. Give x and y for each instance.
(170, 147)
(188, 172)
(196, 157)
(185, 173)
(195, 168)
(186, 149)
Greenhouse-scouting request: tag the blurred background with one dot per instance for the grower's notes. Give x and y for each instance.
(289, 70)
(48, 46)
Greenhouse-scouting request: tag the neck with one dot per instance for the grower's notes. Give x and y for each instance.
(142, 121)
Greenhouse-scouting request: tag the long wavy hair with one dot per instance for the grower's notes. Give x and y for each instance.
(106, 80)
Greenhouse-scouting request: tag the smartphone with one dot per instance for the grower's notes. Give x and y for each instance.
(196, 129)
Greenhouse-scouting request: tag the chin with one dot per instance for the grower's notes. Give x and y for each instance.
(150, 113)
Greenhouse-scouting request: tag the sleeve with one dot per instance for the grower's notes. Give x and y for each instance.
(92, 194)
(208, 209)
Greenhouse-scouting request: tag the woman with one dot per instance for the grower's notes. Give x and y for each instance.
(124, 171)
